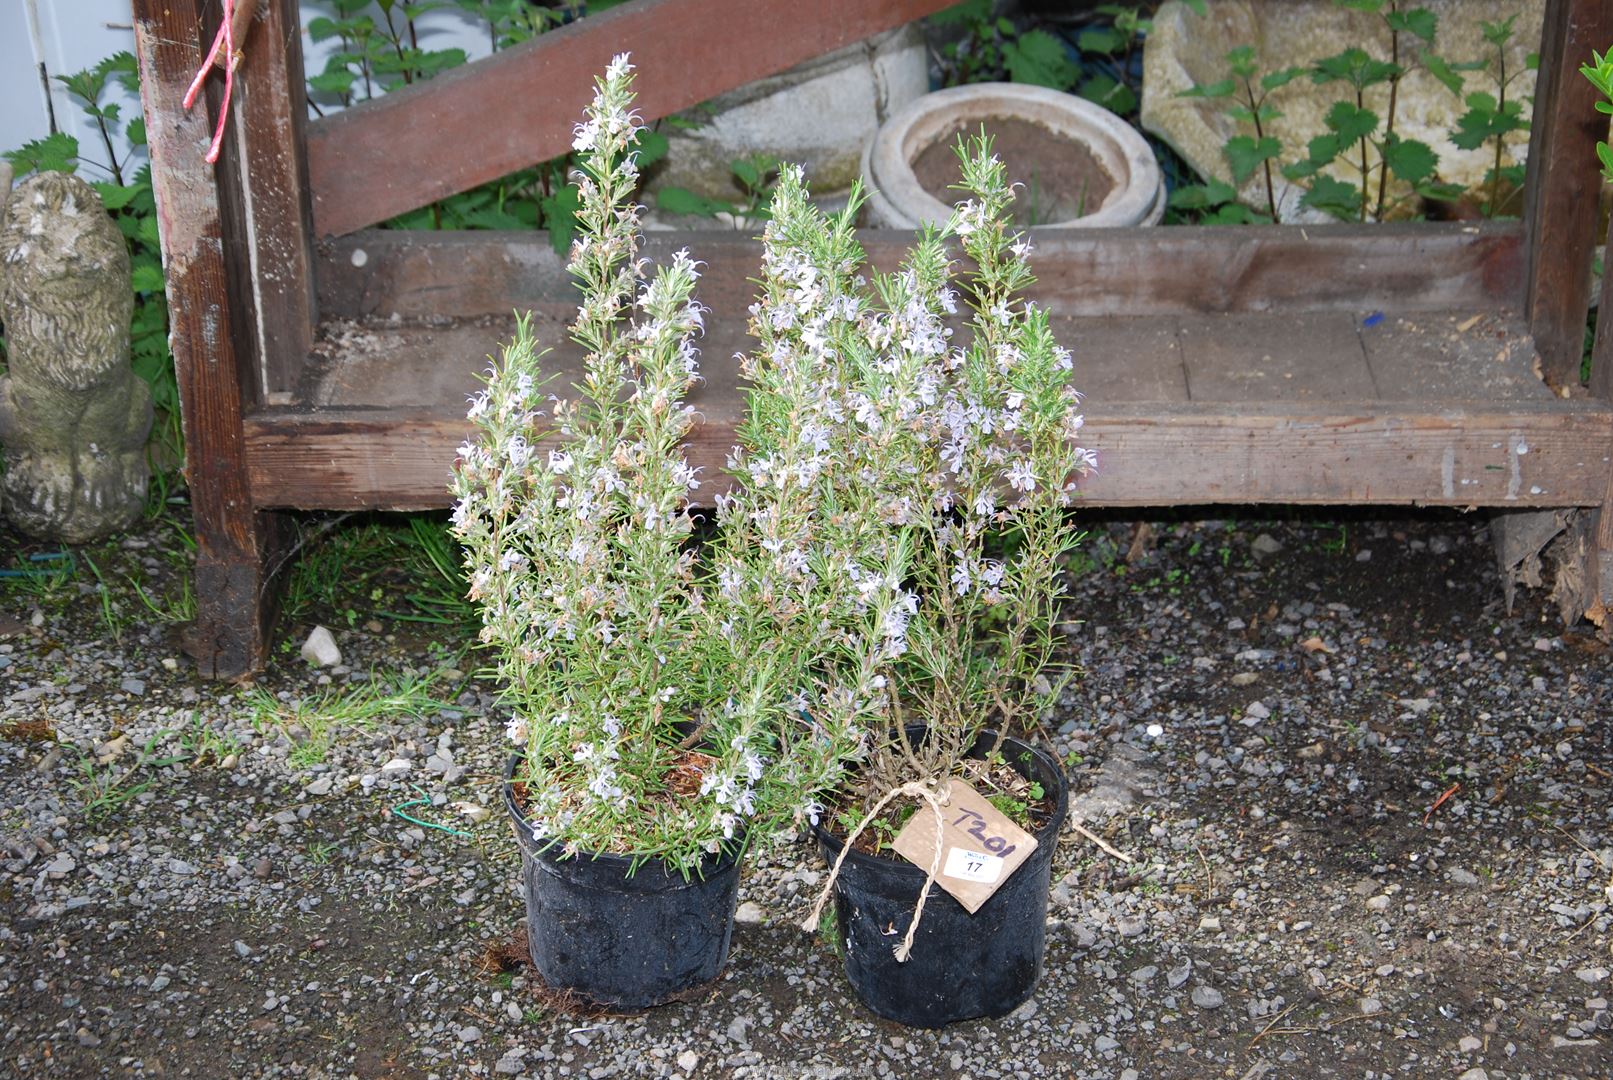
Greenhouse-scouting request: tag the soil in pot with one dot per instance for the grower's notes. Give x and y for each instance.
(1060, 177)
(962, 966)
(624, 941)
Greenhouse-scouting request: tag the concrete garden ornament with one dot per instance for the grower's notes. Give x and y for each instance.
(73, 414)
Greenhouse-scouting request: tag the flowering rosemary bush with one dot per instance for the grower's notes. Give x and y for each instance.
(659, 699)
(934, 476)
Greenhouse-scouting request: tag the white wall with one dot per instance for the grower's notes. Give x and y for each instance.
(66, 36)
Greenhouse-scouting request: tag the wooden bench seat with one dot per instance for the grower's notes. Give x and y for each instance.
(1438, 401)
(325, 365)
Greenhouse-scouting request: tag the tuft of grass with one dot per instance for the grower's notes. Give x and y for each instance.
(407, 571)
(320, 719)
(104, 790)
(200, 741)
(41, 578)
(829, 931)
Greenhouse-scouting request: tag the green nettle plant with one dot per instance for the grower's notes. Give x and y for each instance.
(380, 56)
(664, 706)
(992, 48)
(1359, 139)
(1600, 73)
(1491, 117)
(1356, 134)
(754, 175)
(376, 56)
(1248, 91)
(932, 477)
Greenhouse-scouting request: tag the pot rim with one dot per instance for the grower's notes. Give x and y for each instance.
(1119, 149)
(550, 853)
(1049, 831)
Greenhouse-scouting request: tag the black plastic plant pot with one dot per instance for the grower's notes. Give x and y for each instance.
(962, 966)
(625, 942)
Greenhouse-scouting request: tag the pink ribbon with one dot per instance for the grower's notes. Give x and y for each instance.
(225, 39)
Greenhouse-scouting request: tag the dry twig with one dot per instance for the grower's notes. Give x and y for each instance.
(1100, 841)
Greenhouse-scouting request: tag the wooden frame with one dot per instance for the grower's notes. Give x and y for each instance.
(322, 366)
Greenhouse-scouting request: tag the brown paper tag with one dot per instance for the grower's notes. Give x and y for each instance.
(980, 847)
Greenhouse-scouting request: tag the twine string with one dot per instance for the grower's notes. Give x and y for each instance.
(224, 39)
(918, 789)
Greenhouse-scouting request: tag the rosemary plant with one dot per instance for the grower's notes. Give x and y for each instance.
(941, 473)
(659, 701)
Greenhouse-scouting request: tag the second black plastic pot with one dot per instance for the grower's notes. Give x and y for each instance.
(962, 966)
(623, 941)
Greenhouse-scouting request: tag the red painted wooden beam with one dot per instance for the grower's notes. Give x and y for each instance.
(517, 107)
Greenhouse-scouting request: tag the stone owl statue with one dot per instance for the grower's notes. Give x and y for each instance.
(73, 414)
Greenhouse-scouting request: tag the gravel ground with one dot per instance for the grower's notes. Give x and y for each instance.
(1272, 710)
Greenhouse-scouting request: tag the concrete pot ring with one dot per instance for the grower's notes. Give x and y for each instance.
(898, 200)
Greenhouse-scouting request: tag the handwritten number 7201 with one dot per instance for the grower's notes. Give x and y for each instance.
(997, 845)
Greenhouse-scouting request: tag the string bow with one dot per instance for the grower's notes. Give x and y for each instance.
(934, 793)
(225, 40)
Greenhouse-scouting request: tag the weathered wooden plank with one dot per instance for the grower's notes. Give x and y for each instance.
(1430, 358)
(210, 349)
(1602, 390)
(1453, 356)
(392, 367)
(519, 106)
(1305, 357)
(1562, 185)
(1119, 359)
(1131, 272)
(266, 198)
(1550, 453)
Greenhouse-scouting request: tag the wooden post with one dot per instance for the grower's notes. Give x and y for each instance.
(1562, 185)
(1601, 576)
(275, 224)
(213, 352)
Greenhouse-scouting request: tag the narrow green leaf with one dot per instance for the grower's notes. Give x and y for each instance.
(1224, 88)
(1444, 72)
